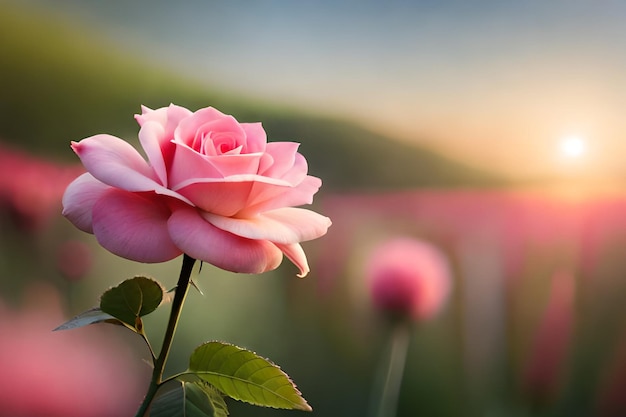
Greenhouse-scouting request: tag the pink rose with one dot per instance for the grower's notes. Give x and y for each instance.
(408, 278)
(212, 188)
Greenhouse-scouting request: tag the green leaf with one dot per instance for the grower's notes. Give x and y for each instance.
(189, 399)
(132, 299)
(94, 315)
(215, 397)
(245, 376)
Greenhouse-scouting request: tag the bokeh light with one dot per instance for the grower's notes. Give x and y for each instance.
(573, 146)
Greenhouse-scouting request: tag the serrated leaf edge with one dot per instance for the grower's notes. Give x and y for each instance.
(303, 405)
(137, 314)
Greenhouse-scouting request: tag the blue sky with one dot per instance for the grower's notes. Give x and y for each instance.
(497, 83)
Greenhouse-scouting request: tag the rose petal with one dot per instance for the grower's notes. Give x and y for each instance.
(201, 240)
(219, 137)
(224, 199)
(116, 163)
(266, 161)
(263, 198)
(79, 199)
(230, 165)
(286, 163)
(296, 255)
(149, 135)
(133, 226)
(228, 196)
(189, 166)
(168, 117)
(256, 138)
(284, 155)
(297, 173)
(156, 134)
(285, 225)
(199, 122)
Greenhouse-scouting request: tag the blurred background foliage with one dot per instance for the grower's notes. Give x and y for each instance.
(60, 82)
(76, 86)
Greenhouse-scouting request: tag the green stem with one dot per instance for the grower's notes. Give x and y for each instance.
(177, 305)
(399, 345)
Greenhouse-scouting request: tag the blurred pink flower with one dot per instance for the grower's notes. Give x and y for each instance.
(408, 278)
(212, 188)
(86, 373)
(551, 341)
(517, 223)
(74, 259)
(32, 187)
(610, 401)
(501, 243)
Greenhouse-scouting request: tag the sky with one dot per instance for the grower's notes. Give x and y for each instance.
(501, 85)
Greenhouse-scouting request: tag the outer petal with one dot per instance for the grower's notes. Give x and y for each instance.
(222, 198)
(295, 254)
(229, 196)
(156, 134)
(116, 163)
(133, 226)
(201, 240)
(168, 117)
(297, 172)
(263, 198)
(79, 199)
(287, 164)
(256, 138)
(286, 225)
(149, 136)
(284, 156)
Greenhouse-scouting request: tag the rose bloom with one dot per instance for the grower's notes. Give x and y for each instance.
(408, 278)
(212, 188)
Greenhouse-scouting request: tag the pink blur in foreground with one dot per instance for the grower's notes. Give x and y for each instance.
(73, 373)
(408, 278)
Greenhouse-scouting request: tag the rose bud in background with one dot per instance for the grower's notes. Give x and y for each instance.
(408, 278)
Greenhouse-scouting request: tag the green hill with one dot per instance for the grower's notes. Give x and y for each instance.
(58, 84)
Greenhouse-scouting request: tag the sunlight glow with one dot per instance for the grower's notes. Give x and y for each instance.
(573, 147)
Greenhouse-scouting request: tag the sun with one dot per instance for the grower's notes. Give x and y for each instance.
(573, 147)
